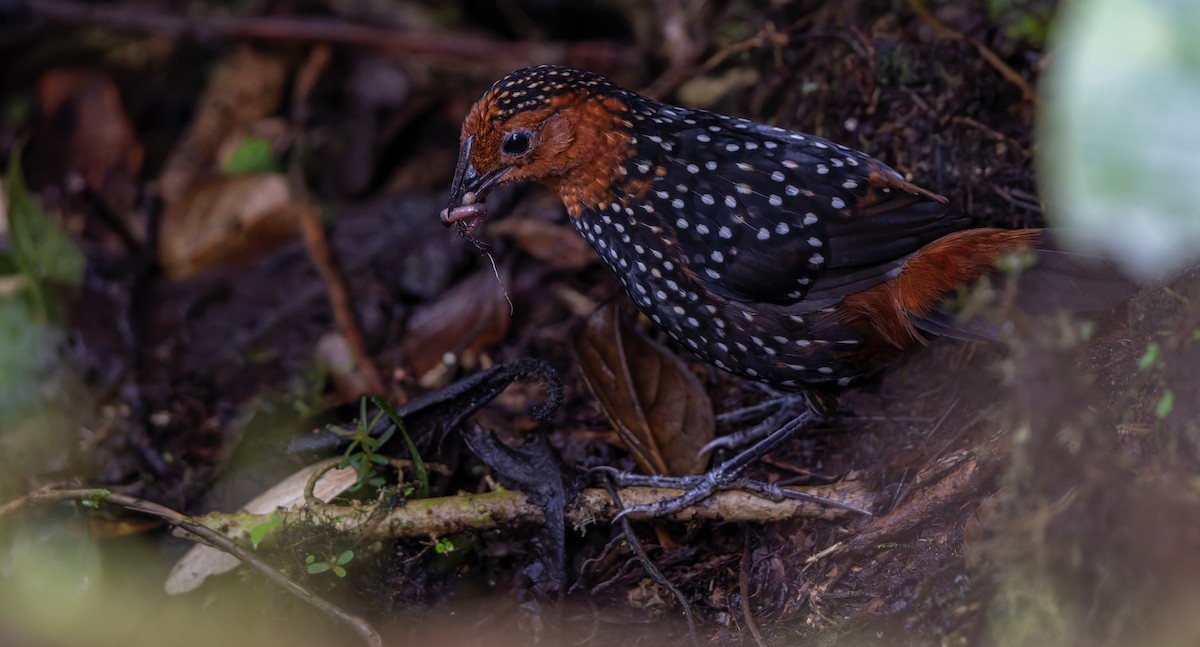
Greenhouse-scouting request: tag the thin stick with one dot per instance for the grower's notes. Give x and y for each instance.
(317, 244)
(649, 566)
(316, 241)
(744, 588)
(452, 46)
(208, 535)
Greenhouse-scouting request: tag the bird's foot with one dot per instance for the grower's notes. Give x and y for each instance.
(726, 476)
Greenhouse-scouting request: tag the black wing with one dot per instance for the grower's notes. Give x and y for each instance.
(775, 216)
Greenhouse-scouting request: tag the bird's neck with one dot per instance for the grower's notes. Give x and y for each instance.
(601, 142)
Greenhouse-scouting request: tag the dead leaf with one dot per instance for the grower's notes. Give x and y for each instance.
(226, 220)
(657, 405)
(472, 316)
(244, 88)
(556, 245)
(85, 109)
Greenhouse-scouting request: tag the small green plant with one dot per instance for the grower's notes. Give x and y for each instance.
(363, 453)
(40, 251)
(443, 546)
(96, 500)
(337, 564)
(419, 472)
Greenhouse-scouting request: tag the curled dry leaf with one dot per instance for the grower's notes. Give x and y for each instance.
(226, 220)
(100, 142)
(245, 88)
(658, 407)
(470, 317)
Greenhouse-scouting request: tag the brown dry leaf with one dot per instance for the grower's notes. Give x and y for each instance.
(556, 245)
(101, 144)
(226, 220)
(657, 405)
(470, 317)
(244, 88)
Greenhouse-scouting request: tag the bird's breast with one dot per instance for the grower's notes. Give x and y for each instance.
(788, 346)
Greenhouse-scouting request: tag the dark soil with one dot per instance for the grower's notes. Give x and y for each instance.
(1037, 493)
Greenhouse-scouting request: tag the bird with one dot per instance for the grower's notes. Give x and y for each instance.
(782, 257)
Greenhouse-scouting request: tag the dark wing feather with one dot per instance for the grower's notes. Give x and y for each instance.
(801, 218)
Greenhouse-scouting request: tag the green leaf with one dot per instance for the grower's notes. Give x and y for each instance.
(339, 571)
(96, 500)
(253, 155)
(386, 435)
(1149, 357)
(319, 567)
(1117, 141)
(1166, 404)
(257, 533)
(418, 465)
(310, 559)
(345, 557)
(40, 250)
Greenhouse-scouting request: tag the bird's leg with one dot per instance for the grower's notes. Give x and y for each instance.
(767, 416)
(727, 475)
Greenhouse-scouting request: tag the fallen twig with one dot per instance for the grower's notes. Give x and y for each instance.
(441, 516)
(319, 250)
(744, 589)
(631, 540)
(96, 496)
(454, 46)
(317, 242)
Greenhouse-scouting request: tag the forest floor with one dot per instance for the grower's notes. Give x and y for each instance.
(1040, 493)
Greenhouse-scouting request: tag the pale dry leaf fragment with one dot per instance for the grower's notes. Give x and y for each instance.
(201, 561)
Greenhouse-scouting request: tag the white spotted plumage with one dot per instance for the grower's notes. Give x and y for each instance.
(746, 236)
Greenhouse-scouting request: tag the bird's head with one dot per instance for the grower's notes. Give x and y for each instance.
(564, 128)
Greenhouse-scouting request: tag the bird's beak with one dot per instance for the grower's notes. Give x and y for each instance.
(469, 185)
(468, 190)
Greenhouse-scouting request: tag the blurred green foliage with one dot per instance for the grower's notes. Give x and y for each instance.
(41, 252)
(1119, 141)
(252, 155)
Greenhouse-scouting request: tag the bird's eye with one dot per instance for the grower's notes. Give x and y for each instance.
(516, 143)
